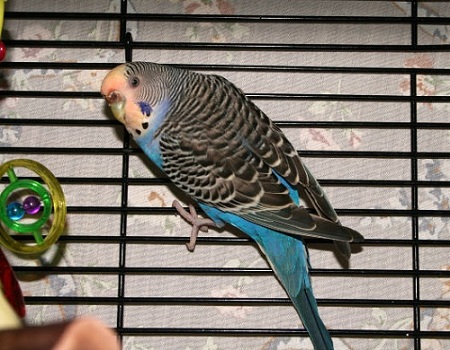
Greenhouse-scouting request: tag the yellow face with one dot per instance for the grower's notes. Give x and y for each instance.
(120, 95)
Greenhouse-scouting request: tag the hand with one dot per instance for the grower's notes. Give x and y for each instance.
(80, 334)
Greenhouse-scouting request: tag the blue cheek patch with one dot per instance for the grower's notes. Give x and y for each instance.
(145, 108)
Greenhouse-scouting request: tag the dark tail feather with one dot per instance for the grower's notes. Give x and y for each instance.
(344, 249)
(309, 315)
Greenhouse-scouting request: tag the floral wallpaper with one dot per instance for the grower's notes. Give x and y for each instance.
(107, 165)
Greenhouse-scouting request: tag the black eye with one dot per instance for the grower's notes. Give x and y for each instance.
(134, 82)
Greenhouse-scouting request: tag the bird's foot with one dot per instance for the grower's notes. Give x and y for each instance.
(198, 224)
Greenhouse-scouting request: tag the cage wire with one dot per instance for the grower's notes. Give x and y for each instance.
(360, 88)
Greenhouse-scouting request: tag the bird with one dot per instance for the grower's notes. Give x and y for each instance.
(217, 146)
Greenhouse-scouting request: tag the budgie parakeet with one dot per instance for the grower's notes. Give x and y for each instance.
(217, 146)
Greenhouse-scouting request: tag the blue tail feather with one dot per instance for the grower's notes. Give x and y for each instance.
(288, 258)
(295, 280)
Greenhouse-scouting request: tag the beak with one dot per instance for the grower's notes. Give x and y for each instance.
(116, 101)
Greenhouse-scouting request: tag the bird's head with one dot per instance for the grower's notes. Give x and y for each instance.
(123, 89)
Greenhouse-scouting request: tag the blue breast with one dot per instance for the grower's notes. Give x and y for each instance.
(147, 140)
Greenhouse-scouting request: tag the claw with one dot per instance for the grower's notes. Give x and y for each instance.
(198, 224)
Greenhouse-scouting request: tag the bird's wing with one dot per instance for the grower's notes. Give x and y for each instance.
(231, 156)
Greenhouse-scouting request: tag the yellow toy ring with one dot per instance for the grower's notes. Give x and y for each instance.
(54, 197)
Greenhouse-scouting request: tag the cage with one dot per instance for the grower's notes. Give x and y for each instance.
(361, 88)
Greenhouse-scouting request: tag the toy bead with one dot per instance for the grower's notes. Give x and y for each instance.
(32, 205)
(15, 211)
(2, 50)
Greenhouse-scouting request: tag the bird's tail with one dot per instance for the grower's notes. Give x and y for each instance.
(306, 305)
(288, 258)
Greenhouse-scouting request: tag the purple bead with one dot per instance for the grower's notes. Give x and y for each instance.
(32, 205)
(15, 211)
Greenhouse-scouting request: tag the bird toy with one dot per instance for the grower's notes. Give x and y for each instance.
(26, 207)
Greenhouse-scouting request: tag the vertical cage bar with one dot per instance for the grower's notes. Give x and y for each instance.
(414, 188)
(124, 198)
(415, 218)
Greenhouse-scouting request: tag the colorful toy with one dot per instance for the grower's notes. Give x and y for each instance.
(26, 207)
